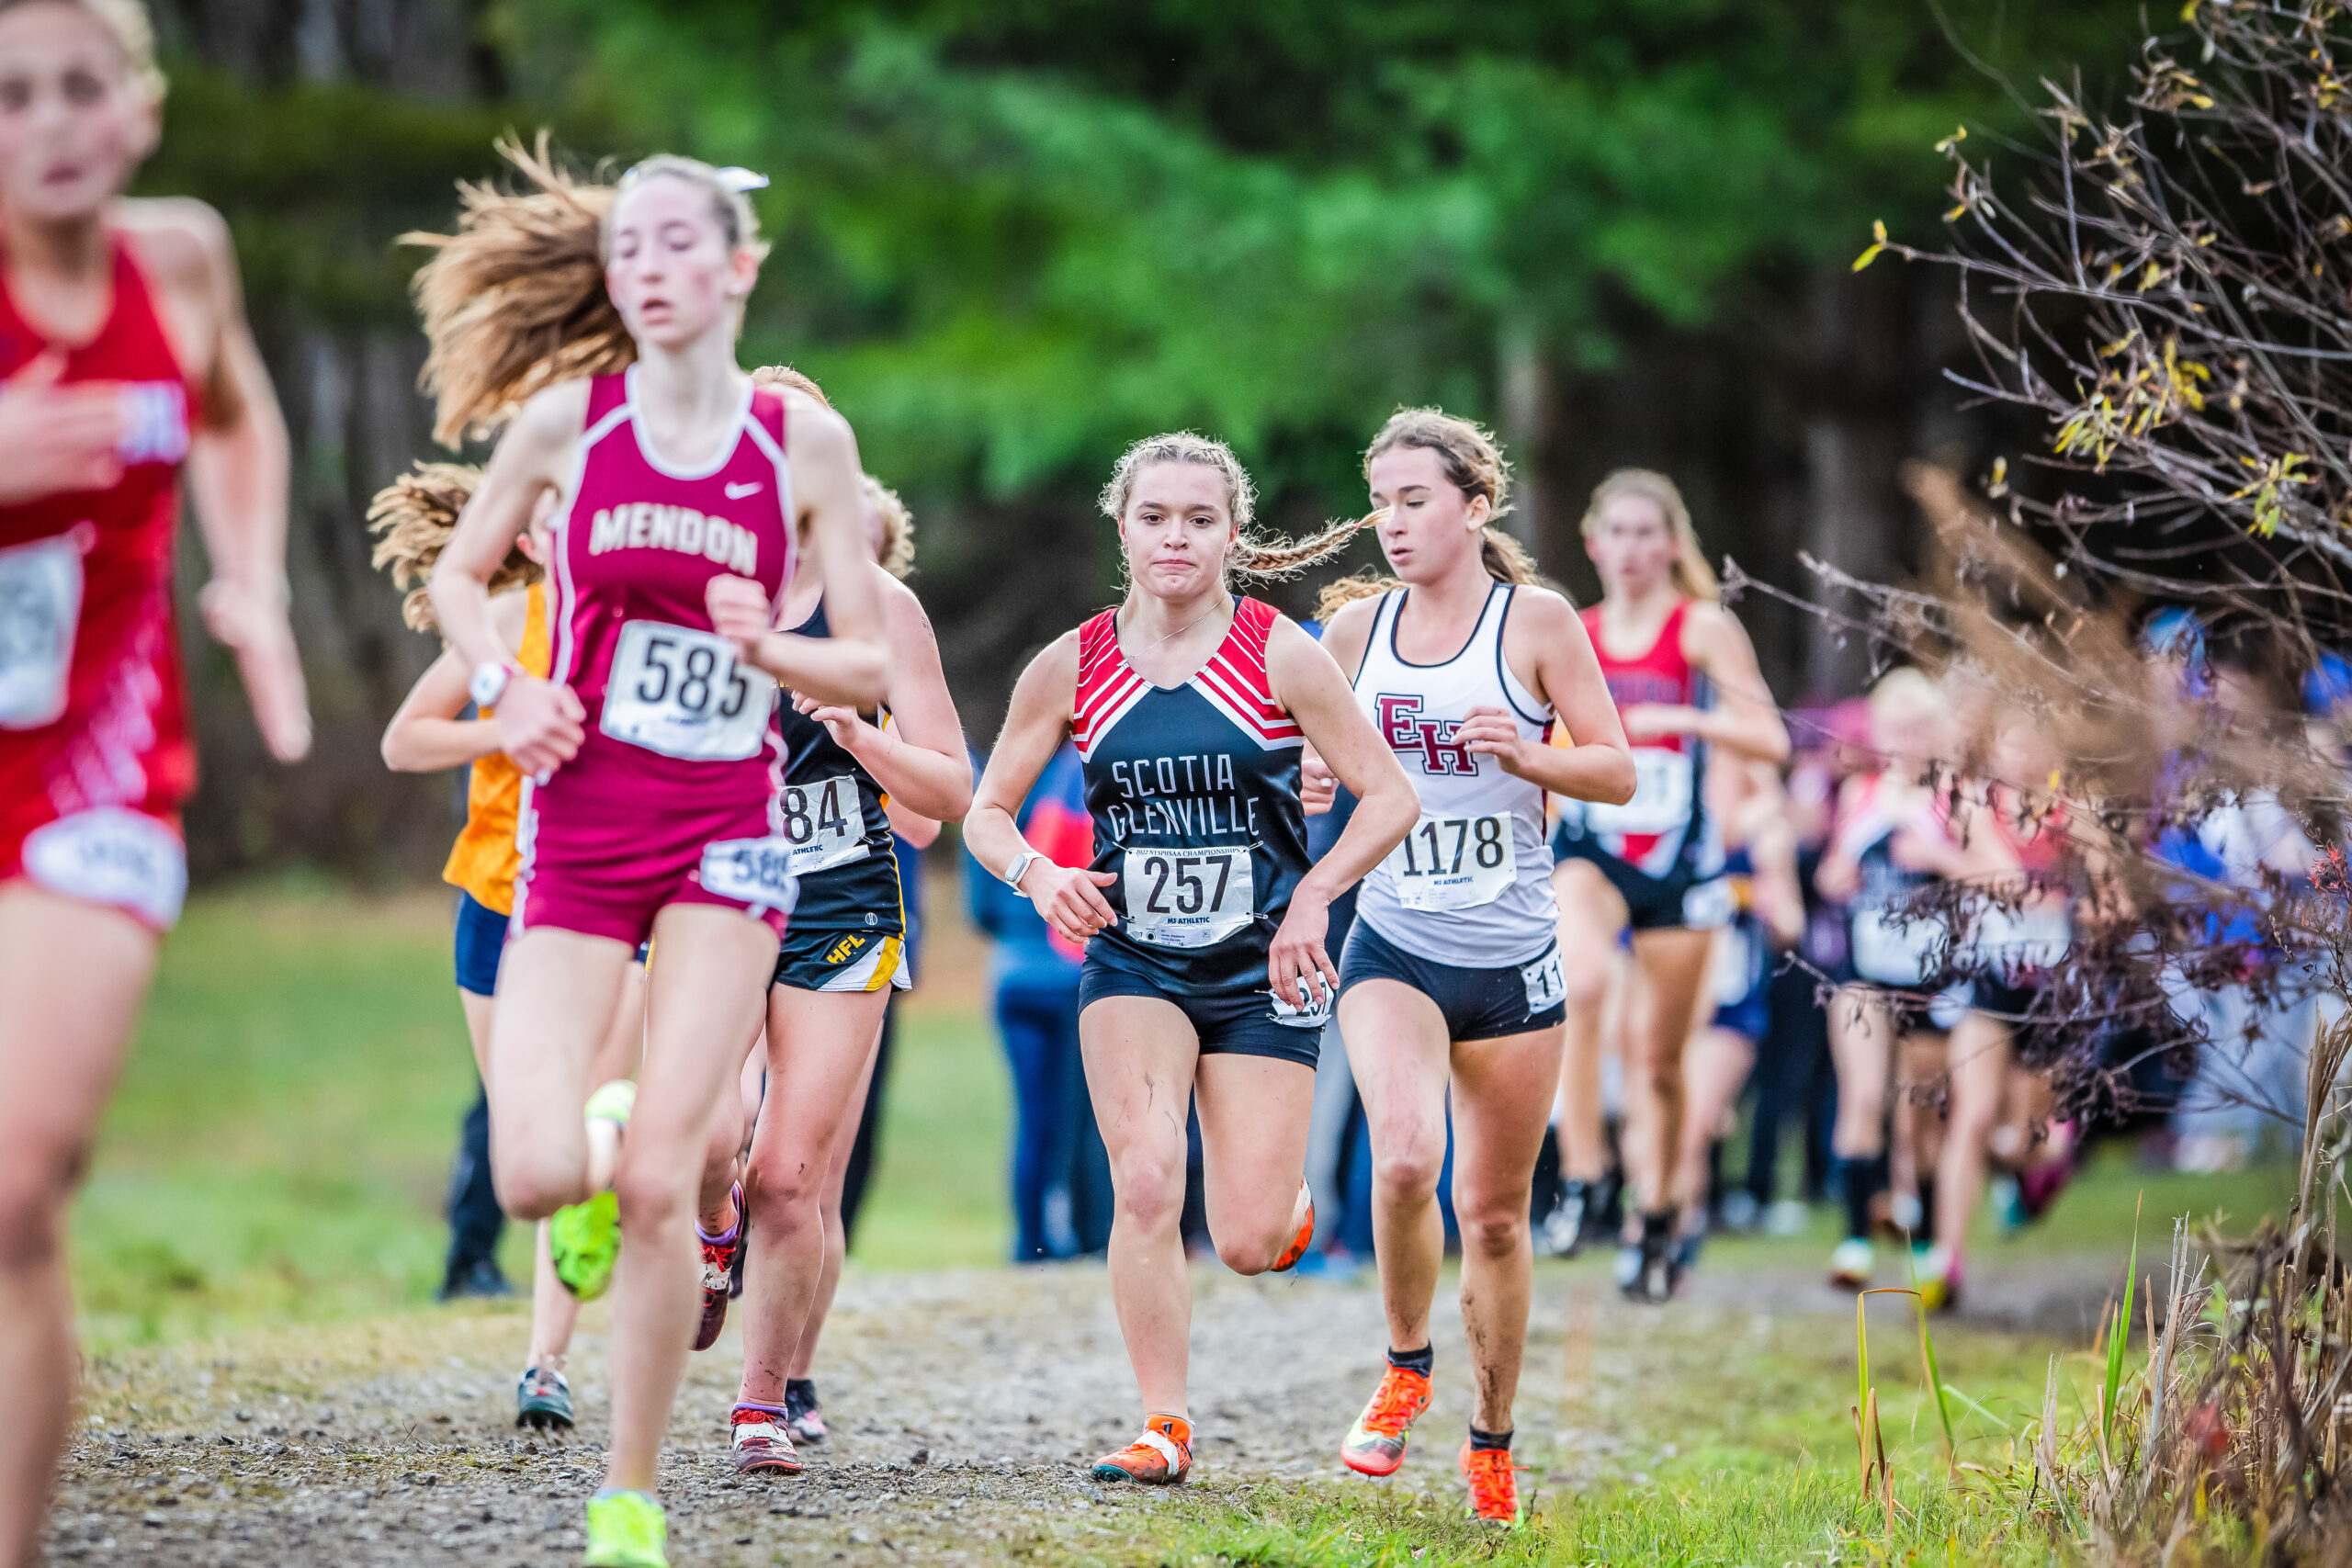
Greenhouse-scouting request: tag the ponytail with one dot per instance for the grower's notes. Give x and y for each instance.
(1692, 576)
(515, 303)
(413, 519)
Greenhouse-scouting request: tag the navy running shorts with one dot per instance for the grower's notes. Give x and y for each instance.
(842, 961)
(1231, 1023)
(481, 938)
(1478, 1004)
(1680, 899)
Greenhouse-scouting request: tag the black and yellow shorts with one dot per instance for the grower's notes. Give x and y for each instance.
(842, 960)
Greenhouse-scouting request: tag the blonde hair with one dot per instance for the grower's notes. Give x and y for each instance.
(1692, 577)
(1473, 464)
(1906, 689)
(897, 553)
(1252, 556)
(514, 302)
(413, 518)
(133, 31)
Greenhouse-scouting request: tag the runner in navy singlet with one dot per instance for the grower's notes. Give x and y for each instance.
(1206, 976)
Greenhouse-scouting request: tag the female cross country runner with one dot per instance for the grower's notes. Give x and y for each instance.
(841, 957)
(1189, 706)
(125, 353)
(416, 515)
(1685, 678)
(1450, 990)
(610, 317)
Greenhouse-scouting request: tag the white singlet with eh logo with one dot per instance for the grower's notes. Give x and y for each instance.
(1188, 897)
(824, 824)
(682, 694)
(108, 855)
(41, 605)
(1454, 862)
(1661, 802)
(756, 870)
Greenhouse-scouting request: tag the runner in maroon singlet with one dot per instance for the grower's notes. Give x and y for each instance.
(653, 809)
(125, 355)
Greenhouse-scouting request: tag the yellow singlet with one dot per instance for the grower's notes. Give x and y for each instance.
(484, 860)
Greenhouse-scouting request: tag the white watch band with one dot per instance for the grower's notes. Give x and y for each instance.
(1019, 868)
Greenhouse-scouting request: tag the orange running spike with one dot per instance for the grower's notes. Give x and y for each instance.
(1375, 1444)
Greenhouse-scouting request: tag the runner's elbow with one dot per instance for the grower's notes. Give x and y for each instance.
(1617, 788)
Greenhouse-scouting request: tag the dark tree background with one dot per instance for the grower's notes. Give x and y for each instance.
(1013, 235)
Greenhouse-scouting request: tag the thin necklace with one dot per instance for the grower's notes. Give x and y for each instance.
(1220, 609)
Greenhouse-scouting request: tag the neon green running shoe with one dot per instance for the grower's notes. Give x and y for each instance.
(625, 1530)
(612, 1101)
(586, 1239)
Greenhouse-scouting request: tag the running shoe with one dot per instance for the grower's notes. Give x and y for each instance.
(1646, 1270)
(1161, 1457)
(801, 1416)
(625, 1530)
(1299, 1243)
(1684, 1255)
(542, 1400)
(763, 1447)
(1851, 1264)
(1375, 1444)
(1494, 1485)
(1563, 1228)
(586, 1239)
(1937, 1275)
(718, 1273)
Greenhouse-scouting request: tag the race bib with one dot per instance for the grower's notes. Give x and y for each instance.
(1454, 862)
(1893, 953)
(1314, 1015)
(752, 871)
(1662, 790)
(41, 605)
(682, 694)
(824, 823)
(108, 855)
(1733, 965)
(1546, 986)
(1188, 897)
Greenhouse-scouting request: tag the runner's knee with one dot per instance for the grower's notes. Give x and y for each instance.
(35, 1183)
(1149, 1187)
(655, 1195)
(533, 1183)
(1409, 1163)
(785, 1189)
(1493, 1228)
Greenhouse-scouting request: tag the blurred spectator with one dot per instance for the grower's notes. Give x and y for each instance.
(1061, 1178)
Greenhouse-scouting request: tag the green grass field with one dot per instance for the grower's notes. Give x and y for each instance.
(281, 1140)
(279, 1145)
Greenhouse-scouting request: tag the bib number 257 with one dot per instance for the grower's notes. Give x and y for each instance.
(1188, 897)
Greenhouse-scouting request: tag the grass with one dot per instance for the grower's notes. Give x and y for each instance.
(280, 1143)
(277, 1156)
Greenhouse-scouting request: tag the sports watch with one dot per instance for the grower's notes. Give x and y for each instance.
(1019, 868)
(488, 683)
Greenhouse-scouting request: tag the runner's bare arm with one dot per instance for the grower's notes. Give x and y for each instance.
(1745, 719)
(1545, 644)
(1035, 724)
(540, 724)
(1345, 636)
(852, 665)
(426, 735)
(237, 467)
(1311, 688)
(920, 760)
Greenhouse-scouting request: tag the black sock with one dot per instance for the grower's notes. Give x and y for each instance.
(1927, 1231)
(801, 1392)
(1862, 1179)
(1419, 1361)
(1488, 1440)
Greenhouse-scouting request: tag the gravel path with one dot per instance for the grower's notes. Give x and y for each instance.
(963, 1406)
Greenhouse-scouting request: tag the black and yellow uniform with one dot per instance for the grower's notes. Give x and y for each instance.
(848, 930)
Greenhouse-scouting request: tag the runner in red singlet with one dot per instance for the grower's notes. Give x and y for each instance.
(1684, 678)
(125, 355)
(652, 806)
